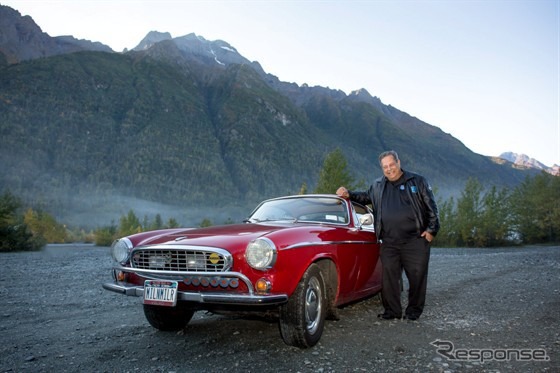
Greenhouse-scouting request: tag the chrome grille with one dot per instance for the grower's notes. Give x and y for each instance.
(186, 260)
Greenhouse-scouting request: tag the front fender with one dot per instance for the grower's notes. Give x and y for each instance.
(292, 262)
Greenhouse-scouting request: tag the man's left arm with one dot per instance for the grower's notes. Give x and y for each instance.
(431, 212)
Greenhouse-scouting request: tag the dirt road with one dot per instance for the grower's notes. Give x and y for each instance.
(488, 310)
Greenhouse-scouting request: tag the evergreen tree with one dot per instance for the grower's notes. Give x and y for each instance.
(469, 209)
(14, 233)
(172, 223)
(158, 223)
(334, 173)
(495, 219)
(449, 232)
(205, 223)
(536, 209)
(129, 224)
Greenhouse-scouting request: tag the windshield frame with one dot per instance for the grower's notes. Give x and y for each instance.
(319, 209)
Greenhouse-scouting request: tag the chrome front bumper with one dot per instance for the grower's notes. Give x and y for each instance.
(211, 297)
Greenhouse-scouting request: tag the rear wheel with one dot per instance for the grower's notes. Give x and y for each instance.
(168, 318)
(302, 319)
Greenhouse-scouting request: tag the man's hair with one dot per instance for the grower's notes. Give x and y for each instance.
(388, 153)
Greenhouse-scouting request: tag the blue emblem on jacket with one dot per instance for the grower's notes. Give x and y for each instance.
(413, 189)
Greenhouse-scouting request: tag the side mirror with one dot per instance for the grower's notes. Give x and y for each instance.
(366, 219)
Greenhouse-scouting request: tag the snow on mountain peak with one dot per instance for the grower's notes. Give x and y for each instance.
(526, 161)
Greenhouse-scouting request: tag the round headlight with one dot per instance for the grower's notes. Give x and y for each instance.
(120, 249)
(261, 253)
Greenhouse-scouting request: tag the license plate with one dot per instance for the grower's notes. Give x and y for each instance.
(160, 293)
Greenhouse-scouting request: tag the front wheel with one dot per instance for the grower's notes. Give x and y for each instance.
(302, 319)
(168, 318)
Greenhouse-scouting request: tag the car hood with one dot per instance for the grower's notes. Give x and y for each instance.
(226, 236)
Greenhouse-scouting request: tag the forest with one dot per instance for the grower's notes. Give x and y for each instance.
(479, 217)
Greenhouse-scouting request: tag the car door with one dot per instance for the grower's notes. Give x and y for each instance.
(359, 264)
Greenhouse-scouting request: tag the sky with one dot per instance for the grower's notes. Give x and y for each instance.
(484, 71)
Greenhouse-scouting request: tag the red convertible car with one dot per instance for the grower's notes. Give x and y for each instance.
(302, 256)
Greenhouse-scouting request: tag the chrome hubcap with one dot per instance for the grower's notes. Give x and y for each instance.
(313, 305)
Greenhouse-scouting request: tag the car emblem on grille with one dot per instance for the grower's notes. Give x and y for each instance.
(214, 258)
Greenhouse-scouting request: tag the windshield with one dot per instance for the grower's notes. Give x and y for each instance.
(302, 209)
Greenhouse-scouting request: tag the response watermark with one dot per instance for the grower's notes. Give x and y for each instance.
(448, 350)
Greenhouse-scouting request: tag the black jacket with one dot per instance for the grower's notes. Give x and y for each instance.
(420, 193)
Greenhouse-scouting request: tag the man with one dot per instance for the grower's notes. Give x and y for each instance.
(406, 222)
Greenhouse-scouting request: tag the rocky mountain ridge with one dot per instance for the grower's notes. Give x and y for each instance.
(22, 39)
(190, 123)
(523, 160)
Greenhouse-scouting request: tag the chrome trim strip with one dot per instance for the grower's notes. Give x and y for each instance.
(304, 244)
(213, 298)
(182, 247)
(179, 274)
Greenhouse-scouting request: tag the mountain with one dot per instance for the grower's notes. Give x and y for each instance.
(21, 39)
(152, 38)
(189, 128)
(524, 161)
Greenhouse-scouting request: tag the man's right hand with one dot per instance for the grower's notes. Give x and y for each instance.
(342, 192)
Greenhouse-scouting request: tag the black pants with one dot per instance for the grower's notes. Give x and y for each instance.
(412, 256)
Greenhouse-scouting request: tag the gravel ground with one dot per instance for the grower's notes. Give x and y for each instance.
(488, 310)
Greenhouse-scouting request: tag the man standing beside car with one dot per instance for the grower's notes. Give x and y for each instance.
(406, 222)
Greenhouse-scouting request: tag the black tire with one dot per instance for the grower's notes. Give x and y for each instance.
(168, 318)
(302, 319)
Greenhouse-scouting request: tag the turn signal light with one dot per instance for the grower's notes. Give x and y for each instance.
(263, 285)
(121, 276)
